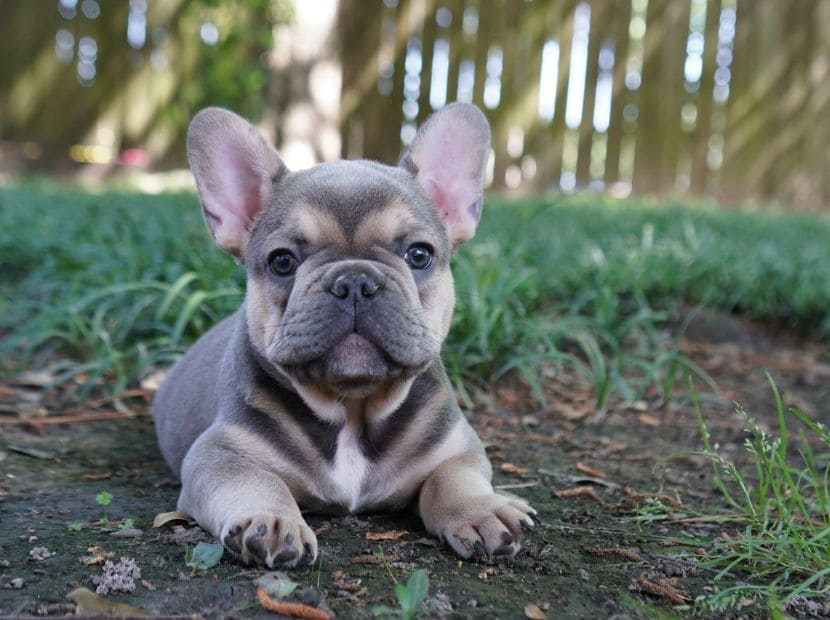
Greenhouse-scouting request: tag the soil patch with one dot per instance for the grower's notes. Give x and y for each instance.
(588, 474)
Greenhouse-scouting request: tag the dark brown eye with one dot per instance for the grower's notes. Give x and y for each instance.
(282, 263)
(418, 256)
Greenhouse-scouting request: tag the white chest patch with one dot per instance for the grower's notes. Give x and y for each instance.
(349, 469)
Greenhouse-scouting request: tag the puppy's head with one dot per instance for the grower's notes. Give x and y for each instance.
(349, 286)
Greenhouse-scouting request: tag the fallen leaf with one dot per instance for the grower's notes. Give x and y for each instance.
(35, 453)
(427, 542)
(34, 378)
(323, 528)
(609, 445)
(6, 391)
(90, 604)
(98, 556)
(163, 518)
(585, 469)
(390, 535)
(341, 582)
(572, 413)
(648, 420)
(95, 477)
(581, 491)
(510, 468)
(151, 383)
(276, 584)
(534, 612)
(662, 588)
(203, 556)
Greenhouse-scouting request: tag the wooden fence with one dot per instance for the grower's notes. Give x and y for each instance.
(725, 98)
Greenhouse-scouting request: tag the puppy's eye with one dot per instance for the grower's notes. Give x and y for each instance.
(418, 256)
(282, 263)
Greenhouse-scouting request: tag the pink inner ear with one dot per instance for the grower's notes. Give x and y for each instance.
(240, 183)
(449, 154)
(234, 191)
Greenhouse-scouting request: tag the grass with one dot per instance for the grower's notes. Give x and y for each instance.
(779, 512)
(100, 288)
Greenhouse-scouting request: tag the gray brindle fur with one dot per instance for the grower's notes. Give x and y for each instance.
(325, 391)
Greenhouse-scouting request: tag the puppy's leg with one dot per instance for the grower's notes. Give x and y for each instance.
(458, 504)
(230, 493)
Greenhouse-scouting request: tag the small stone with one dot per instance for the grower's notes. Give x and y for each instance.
(584, 575)
(38, 554)
(16, 583)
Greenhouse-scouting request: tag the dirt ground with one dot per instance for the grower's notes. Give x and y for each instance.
(587, 474)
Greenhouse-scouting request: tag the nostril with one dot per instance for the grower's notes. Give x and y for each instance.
(368, 287)
(341, 287)
(354, 285)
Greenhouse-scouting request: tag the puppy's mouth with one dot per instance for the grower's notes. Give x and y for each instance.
(354, 365)
(354, 360)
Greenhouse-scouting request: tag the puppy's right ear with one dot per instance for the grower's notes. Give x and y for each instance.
(235, 171)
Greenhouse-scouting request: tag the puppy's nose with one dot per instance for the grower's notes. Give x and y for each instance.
(354, 287)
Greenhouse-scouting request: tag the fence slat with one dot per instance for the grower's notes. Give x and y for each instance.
(758, 131)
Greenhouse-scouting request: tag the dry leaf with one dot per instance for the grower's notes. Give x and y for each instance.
(34, 378)
(572, 413)
(581, 491)
(164, 518)
(90, 604)
(94, 477)
(390, 535)
(342, 582)
(648, 420)
(662, 587)
(585, 469)
(510, 468)
(6, 391)
(98, 556)
(152, 382)
(609, 445)
(534, 612)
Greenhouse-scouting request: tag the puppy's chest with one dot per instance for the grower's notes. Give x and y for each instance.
(353, 481)
(347, 472)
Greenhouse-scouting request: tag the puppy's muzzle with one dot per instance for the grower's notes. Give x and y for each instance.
(354, 289)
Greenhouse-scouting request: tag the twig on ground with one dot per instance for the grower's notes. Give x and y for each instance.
(294, 610)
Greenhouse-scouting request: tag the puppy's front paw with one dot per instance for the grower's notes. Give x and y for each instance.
(488, 526)
(270, 540)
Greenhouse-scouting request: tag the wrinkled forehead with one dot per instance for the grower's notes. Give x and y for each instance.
(352, 203)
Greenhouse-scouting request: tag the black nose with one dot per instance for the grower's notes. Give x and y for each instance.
(354, 287)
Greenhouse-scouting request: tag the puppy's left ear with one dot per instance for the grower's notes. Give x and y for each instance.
(448, 157)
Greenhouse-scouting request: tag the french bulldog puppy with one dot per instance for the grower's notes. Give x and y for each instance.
(325, 391)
